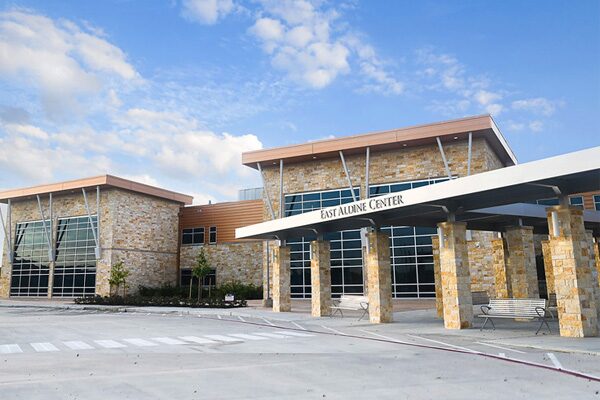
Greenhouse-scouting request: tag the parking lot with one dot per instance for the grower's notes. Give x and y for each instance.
(51, 353)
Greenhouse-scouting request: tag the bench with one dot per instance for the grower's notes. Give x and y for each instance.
(350, 303)
(528, 309)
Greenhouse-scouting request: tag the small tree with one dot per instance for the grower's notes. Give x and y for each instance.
(118, 277)
(200, 271)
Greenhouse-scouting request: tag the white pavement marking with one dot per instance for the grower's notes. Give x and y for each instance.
(140, 342)
(44, 347)
(219, 316)
(167, 340)
(292, 333)
(299, 326)
(443, 343)
(222, 338)
(77, 345)
(197, 339)
(110, 344)
(554, 360)
(268, 322)
(503, 355)
(241, 319)
(10, 348)
(247, 337)
(382, 336)
(500, 347)
(333, 330)
(270, 335)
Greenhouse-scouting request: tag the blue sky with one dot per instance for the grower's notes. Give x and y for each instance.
(171, 92)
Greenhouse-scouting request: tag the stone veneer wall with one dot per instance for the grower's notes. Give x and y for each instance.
(481, 262)
(234, 261)
(410, 163)
(138, 229)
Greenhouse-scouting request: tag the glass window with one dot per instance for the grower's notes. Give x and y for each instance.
(30, 269)
(346, 251)
(548, 202)
(185, 276)
(212, 235)
(597, 202)
(410, 248)
(75, 266)
(576, 201)
(192, 236)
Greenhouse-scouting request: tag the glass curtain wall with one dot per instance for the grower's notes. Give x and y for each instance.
(75, 266)
(411, 251)
(346, 249)
(30, 269)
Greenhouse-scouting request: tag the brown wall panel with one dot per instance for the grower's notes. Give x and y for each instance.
(225, 216)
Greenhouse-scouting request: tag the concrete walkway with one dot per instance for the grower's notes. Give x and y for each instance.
(411, 317)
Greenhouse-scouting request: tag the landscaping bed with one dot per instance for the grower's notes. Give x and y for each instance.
(159, 301)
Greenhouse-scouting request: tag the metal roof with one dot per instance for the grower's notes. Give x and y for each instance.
(102, 181)
(418, 135)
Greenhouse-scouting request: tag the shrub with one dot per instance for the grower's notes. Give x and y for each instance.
(239, 290)
(158, 301)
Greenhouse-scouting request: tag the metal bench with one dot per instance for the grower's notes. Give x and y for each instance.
(350, 303)
(529, 309)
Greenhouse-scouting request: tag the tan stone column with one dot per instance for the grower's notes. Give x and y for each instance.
(281, 279)
(573, 280)
(521, 262)
(437, 276)
(502, 280)
(456, 278)
(379, 278)
(548, 269)
(592, 261)
(320, 278)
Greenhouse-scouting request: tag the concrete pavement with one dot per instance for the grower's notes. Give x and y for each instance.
(253, 353)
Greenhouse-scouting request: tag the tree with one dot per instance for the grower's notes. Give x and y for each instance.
(201, 270)
(118, 277)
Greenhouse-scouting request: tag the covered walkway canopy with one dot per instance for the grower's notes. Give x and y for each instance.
(472, 199)
(494, 201)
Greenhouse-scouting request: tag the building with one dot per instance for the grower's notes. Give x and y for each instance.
(64, 240)
(65, 237)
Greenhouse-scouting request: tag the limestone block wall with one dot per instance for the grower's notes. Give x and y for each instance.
(411, 163)
(481, 262)
(144, 237)
(233, 261)
(138, 229)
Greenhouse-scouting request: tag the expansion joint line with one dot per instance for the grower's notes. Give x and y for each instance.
(576, 374)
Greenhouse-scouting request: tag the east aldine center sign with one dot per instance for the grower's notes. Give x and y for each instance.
(361, 207)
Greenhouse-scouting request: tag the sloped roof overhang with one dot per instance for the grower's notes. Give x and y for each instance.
(448, 131)
(103, 181)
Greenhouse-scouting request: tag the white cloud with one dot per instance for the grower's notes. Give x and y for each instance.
(59, 60)
(207, 12)
(268, 29)
(145, 130)
(537, 105)
(313, 46)
(536, 126)
(27, 130)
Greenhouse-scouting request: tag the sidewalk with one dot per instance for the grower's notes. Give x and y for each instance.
(411, 317)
